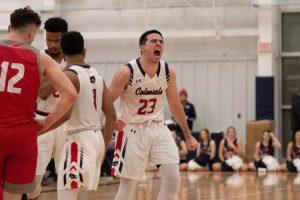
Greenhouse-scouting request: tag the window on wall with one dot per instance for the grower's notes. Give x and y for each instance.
(290, 32)
(290, 69)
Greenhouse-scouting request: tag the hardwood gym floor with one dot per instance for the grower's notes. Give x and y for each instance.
(206, 186)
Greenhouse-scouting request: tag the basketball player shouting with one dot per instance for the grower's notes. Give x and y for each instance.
(141, 85)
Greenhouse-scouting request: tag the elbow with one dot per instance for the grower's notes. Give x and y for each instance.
(186, 152)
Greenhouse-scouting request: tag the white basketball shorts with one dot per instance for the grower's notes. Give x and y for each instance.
(139, 145)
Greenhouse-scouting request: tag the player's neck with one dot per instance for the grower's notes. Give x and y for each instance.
(17, 37)
(75, 60)
(59, 58)
(149, 67)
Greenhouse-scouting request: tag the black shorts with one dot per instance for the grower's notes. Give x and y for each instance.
(260, 164)
(204, 161)
(183, 161)
(291, 167)
(226, 168)
(213, 161)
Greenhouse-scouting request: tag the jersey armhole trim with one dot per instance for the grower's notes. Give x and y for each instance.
(131, 73)
(167, 72)
(73, 70)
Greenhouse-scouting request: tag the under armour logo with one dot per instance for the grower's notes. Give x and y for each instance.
(92, 79)
(132, 131)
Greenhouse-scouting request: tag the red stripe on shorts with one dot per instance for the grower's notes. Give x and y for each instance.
(119, 140)
(74, 152)
(74, 185)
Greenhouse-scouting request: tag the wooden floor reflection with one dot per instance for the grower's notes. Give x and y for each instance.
(207, 186)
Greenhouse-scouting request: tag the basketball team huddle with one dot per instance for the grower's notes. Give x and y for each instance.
(52, 104)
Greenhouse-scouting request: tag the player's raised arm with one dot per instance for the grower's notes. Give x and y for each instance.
(61, 83)
(119, 82)
(178, 112)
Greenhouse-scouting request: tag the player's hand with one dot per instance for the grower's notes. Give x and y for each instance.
(120, 124)
(191, 143)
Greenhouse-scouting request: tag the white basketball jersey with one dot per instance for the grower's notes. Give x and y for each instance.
(87, 110)
(144, 98)
(48, 105)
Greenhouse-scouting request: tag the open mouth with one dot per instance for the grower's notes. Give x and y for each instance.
(157, 52)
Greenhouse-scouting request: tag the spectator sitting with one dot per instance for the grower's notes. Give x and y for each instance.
(264, 153)
(205, 153)
(230, 151)
(293, 154)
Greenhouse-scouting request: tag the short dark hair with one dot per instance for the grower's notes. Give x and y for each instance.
(23, 17)
(72, 43)
(56, 24)
(143, 38)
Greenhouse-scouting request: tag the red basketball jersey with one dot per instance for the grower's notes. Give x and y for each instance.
(19, 82)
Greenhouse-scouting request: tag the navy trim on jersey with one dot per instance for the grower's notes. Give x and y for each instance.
(158, 70)
(167, 72)
(140, 66)
(84, 66)
(131, 73)
(72, 70)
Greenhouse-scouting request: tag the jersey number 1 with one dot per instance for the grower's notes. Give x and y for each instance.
(13, 80)
(143, 109)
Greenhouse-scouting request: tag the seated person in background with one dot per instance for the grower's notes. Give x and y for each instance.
(230, 151)
(293, 154)
(183, 151)
(205, 153)
(264, 153)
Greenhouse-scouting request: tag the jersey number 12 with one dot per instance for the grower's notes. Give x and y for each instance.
(13, 80)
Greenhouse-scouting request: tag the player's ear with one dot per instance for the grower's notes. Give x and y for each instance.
(9, 28)
(142, 48)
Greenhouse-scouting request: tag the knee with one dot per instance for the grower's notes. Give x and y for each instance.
(183, 167)
(244, 168)
(252, 166)
(172, 181)
(216, 167)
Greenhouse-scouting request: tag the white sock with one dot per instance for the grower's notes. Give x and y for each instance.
(170, 182)
(126, 189)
